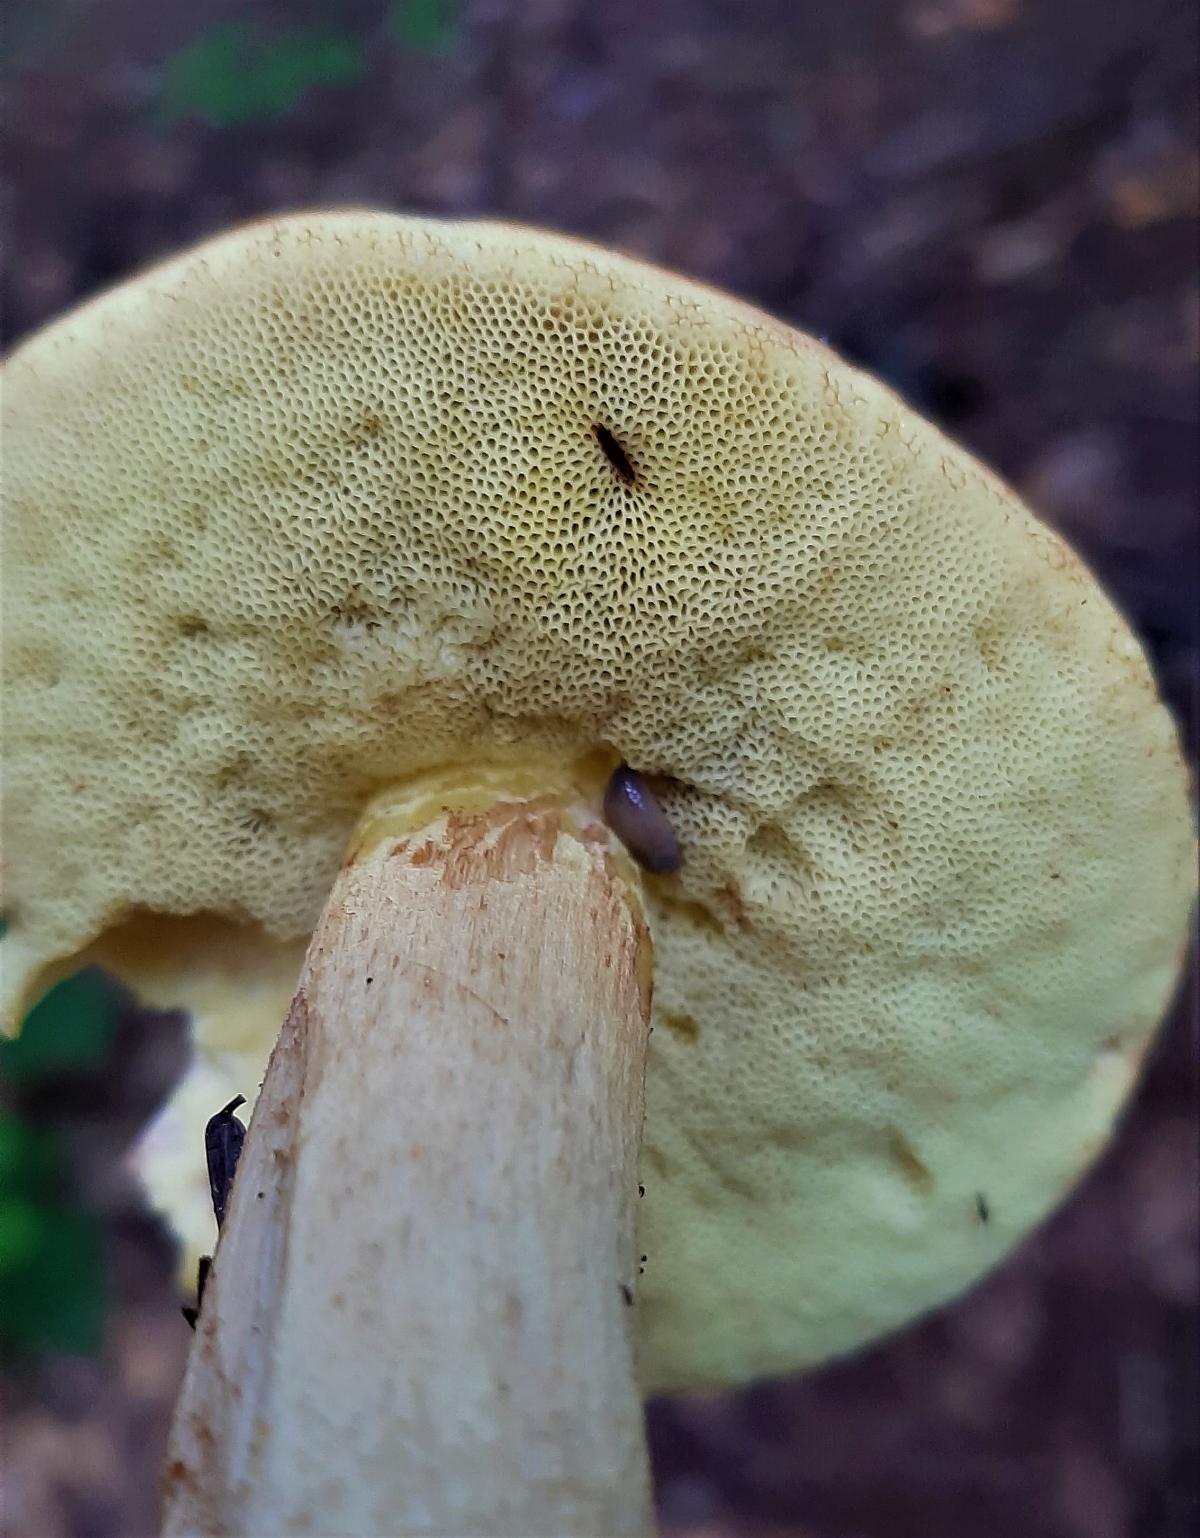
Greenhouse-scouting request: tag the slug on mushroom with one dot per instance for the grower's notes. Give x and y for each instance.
(635, 815)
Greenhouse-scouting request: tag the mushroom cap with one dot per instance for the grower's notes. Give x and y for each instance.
(333, 501)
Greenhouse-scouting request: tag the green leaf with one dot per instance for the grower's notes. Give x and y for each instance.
(56, 1301)
(14, 1144)
(52, 1285)
(234, 74)
(69, 1030)
(288, 72)
(22, 1225)
(425, 24)
(31, 1160)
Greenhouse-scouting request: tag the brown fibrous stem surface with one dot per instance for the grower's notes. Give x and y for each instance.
(419, 1317)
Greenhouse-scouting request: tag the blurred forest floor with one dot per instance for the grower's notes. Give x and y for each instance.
(992, 203)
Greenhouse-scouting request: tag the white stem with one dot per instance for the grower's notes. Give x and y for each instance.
(419, 1319)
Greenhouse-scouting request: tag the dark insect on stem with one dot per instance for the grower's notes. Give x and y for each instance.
(981, 1207)
(202, 1270)
(615, 454)
(223, 1139)
(632, 811)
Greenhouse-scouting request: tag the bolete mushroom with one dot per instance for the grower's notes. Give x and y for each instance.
(348, 558)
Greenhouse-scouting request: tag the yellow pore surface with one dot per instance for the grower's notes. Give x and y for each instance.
(332, 502)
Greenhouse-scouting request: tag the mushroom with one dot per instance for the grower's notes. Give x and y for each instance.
(354, 565)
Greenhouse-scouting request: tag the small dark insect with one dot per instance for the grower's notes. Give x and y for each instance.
(627, 1294)
(615, 454)
(223, 1139)
(192, 1314)
(981, 1207)
(632, 811)
(641, 1190)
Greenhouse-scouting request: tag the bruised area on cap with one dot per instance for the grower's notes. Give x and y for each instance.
(346, 499)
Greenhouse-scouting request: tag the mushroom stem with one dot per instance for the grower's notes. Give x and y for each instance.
(419, 1316)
